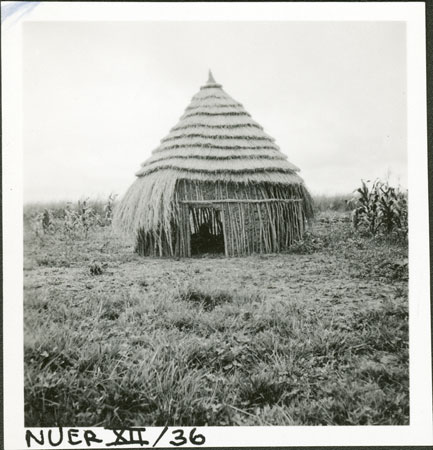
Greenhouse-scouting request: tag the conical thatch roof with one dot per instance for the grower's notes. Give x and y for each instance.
(216, 136)
(216, 139)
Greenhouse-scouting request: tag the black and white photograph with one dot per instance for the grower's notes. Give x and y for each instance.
(218, 218)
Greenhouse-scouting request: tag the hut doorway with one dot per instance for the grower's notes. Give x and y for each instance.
(207, 230)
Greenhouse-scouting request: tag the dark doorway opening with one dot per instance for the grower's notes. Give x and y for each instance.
(207, 231)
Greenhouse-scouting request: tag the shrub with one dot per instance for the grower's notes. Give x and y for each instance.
(307, 245)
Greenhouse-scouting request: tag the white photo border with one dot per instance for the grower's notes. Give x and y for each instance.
(420, 430)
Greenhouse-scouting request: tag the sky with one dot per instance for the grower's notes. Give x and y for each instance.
(99, 96)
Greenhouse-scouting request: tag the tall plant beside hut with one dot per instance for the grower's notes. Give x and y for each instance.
(380, 209)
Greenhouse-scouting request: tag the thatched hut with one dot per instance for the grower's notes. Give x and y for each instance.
(216, 183)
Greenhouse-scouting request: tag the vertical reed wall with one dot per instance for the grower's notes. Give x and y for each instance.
(256, 219)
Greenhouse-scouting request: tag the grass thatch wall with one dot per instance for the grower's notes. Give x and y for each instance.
(256, 217)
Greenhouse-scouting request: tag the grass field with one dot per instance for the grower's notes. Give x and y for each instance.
(316, 336)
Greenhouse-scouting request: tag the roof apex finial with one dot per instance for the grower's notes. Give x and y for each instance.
(211, 79)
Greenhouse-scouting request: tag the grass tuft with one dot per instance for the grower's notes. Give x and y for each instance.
(208, 300)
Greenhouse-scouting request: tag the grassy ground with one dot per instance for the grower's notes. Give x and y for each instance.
(315, 336)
